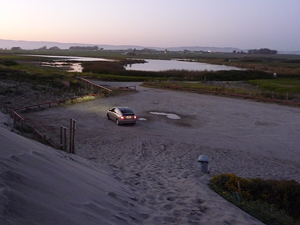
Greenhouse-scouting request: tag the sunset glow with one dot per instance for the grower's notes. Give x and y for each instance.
(169, 23)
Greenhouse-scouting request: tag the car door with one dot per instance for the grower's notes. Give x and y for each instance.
(117, 113)
(112, 114)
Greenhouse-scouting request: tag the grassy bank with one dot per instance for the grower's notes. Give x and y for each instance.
(245, 82)
(240, 89)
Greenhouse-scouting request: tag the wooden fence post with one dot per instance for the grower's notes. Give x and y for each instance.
(63, 138)
(22, 125)
(70, 139)
(72, 136)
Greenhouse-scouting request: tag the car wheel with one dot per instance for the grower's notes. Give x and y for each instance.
(117, 122)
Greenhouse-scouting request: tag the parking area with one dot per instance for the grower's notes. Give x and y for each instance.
(157, 157)
(245, 126)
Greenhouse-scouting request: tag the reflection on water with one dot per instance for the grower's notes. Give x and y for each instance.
(162, 65)
(69, 67)
(63, 62)
(169, 115)
(72, 58)
(76, 67)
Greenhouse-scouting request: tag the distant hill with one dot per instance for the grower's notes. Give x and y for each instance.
(205, 49)
(289, 52)
(29, 45)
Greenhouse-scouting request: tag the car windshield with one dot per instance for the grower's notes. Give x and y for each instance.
(126, 111)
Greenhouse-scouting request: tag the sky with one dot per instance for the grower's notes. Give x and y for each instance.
(240, 24)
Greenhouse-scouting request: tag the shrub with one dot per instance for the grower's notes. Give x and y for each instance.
(8, 62)
(281, 195)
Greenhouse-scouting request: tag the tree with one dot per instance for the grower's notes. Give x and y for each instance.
(16, 48)
(84, 48)
(264, 51)
(54, 48)
(43, 48)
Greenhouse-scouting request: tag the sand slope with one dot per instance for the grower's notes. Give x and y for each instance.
(40, 185)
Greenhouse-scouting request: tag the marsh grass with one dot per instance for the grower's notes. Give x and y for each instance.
(278, 63)
(270, 201)
(238, 88)
(260, 83)
(23, 84)
(280, 85)
(201, 87)
(24, 68)
(282, 64)
(262, 211)
(111, 77)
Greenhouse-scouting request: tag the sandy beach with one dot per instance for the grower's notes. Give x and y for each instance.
(148, 173)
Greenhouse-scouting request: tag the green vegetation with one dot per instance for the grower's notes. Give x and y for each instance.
(23, 73)
(22, 54)
(111, 77)
(259, 78)
(270, 201)
(20, 75)
(280, 85)
(235, 89)
(282, 65)
(198, 87)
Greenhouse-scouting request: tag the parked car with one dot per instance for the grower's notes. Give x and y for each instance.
(121, 115)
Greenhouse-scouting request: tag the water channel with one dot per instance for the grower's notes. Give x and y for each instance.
(162, 65)
(68, 62)
(150, 65)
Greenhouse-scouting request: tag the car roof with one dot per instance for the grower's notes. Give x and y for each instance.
(120, 107)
